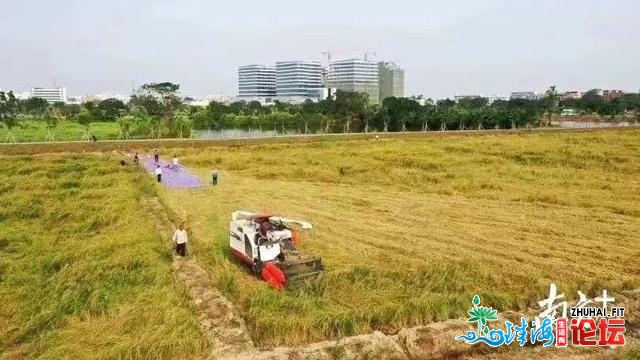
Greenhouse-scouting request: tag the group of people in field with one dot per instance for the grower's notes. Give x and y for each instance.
(174, 164)
(180, 237)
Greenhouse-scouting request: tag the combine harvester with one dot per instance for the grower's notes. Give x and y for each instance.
(267, 244)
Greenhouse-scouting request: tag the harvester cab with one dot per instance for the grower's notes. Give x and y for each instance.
(267, 244)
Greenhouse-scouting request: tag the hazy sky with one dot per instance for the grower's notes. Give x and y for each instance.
(445, 47)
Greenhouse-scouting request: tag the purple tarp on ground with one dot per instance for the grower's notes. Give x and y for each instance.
(176, 178)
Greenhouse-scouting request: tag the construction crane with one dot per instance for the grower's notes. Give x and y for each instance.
(328, 55)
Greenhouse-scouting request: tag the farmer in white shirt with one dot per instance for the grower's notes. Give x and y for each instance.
(159, 173)
(175, 161)
(180, 239)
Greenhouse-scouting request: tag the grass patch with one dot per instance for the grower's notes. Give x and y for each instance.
(85, 277)
(37, 131)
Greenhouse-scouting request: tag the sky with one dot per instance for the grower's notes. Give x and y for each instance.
(446, 47)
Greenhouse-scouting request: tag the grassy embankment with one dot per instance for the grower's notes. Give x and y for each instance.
(36, 131)
(411, 228)
(83, 273)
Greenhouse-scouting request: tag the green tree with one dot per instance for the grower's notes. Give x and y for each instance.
(473, 103)
(427, 116)
(70, 111)
(152, 106)
(216, 111)
(350, 109)
(92, 108)
(445, 103)
(8, 111)
(84, 118)
(280, 106)
(135, 123)
(631, 104)
(551, 104)
(253, 108)
(51, 116)
(381, 120)
(159, 99)
(36, 106)
(237, 107)
(592, 102)
(111, 109)
(404, 113)
(200, 118)
(182, 125)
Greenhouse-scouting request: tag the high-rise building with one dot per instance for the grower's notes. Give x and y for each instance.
(571, 95)
(52, 95)
(297, 81)
(390, 80)
(354, 75)
(257, 82)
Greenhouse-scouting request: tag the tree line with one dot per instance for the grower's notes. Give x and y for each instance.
(157, 110)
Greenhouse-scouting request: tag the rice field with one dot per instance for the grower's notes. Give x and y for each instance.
(83, 272)
(411, 228)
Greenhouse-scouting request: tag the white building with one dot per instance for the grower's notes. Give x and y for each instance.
(490, 99)
(257, 82)
(354, 75)
(297, 81)
(74, 99)
(225, 99)
(573, 94)
(52, 95)
(24, 95)
(107, 95)
(390, 80)
(527, 95)
(494, 98)
(457, 98)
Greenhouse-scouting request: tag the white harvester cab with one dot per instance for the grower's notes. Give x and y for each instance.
(261, 239)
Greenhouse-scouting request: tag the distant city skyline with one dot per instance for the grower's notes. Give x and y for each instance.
(488, 47)
(568, 93)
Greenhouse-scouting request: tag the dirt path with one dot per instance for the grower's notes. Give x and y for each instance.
(124, 145)
(223, 328)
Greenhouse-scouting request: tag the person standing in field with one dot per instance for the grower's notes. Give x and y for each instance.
(180, 239)
(175, 161)
(156, 156)
(159, 173)
(136, 158)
